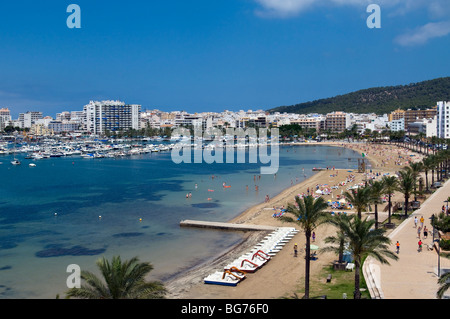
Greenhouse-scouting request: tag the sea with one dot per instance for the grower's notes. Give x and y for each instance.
(72, 211)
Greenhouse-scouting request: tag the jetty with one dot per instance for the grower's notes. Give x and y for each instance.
(226, 226)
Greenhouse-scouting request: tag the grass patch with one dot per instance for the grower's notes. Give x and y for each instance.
(342, 282)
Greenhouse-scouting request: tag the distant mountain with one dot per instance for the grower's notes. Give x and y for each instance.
(378, 100)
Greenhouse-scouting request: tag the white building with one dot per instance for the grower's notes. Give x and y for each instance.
(112, 116)
(397, 125)
(63, 126)
(5, 118)
(443, 120)
(26, 120)
(44, 121)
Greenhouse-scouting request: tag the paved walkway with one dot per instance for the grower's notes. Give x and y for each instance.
(414, 275)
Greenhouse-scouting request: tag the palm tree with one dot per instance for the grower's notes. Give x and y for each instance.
(447, 161)
(364, 241)
(376, 191)
(433, 166)
(359, 199)
(309, 213)
(124, 280)
(406, 185)
(444, 282)
(415, 168)
(390, 185)
(438, 162)
(427, 166)
(340, 238)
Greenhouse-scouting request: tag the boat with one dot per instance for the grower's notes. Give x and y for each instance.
(225, 278)
(15, 161)
(32, 165)
(37, 156)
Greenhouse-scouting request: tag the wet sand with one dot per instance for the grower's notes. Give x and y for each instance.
(283, 275)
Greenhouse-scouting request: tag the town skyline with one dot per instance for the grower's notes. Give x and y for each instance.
(112, 116)
(199, 56)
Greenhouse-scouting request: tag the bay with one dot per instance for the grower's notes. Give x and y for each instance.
(71, 210)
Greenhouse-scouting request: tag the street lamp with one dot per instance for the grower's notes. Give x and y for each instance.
(432, 224)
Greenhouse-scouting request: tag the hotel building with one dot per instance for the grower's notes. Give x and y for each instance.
(411, 116)
(337, 121)
(112, 116)
(443, 119)
(26, 120)
(5, 118)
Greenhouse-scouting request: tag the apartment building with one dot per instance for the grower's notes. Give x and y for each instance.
(26, 120)
(337, 121)
(425, 126)
(5, 117)
(63, 126)
(308, 122)
(412, 116)
(443, 119)
(112, 116)
(397, 125)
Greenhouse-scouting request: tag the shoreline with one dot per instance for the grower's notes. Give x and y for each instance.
(189, 284)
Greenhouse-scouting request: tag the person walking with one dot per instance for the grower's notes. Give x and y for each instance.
(295, 250)
(419, 229)
(425, 232)
(398, 247)
(420, 246)
(415, 222)
(421, 221)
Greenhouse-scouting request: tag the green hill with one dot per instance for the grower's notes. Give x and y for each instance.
(378, 100)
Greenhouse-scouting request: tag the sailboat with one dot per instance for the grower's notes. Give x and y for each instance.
(15, 161)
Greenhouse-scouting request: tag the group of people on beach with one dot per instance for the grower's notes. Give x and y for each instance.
(389, 154)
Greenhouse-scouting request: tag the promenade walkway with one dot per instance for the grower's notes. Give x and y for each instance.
(414, 275)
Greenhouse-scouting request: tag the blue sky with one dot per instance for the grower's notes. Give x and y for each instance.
(203, 55)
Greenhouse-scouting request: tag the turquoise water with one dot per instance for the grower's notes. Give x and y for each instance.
(50, 214)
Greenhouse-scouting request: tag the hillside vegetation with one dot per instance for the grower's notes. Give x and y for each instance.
(378, 100)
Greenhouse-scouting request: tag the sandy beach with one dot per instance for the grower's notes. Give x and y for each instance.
(283, 275)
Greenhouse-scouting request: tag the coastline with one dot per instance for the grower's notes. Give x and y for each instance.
(268, 282)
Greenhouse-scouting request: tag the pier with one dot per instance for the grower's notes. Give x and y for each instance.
(226, 226)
